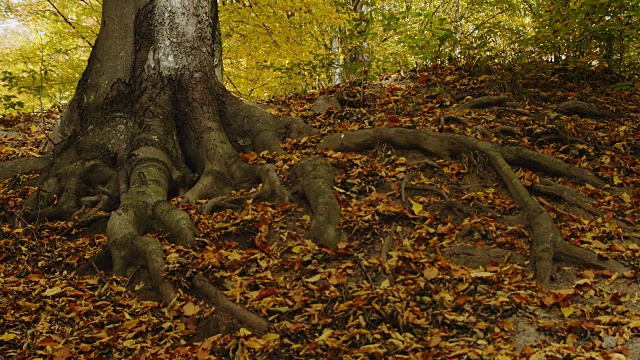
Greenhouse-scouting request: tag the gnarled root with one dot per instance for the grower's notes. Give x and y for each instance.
(144, 208)
(23, 166)
(316, 180)
(217, 299)
(548, 244)
(271, 190)
(80, 189)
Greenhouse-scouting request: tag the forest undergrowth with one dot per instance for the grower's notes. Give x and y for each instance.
(436, 263)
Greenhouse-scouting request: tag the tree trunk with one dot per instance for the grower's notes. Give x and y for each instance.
(149, 115)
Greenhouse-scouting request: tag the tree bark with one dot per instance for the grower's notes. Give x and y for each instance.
(149, 115)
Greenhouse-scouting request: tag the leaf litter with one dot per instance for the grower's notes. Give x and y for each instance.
(413, 300)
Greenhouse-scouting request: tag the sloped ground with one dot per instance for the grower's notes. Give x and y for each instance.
(399, 288)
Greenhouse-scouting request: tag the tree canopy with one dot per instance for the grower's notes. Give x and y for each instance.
(279, 47)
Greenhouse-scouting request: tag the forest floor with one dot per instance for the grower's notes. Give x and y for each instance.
(409, 284)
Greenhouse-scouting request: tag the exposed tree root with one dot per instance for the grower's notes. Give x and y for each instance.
(217, 299)
(584, 109)
(23, 166)
(150, 121)
(547, 242)
(387, 246)
(566, 193)
(316, 180)
(483, 102)
(272, 189)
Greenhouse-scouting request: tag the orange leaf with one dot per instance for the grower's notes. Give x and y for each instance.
(434, 341)
(528, 351)
(548, 300)
(62, 354)
(202, 353)
(462, 299)
(190, 309)
(47, 342)
(430, 273)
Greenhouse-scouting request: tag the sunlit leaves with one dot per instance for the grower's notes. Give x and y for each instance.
(44, 49)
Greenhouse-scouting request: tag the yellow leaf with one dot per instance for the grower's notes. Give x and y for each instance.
(626, 197)
(8, 336)
(130, 324)
(481, 274)
(416, 207)
(385, 284)
(325, 335)
(253, 344)
(603, 319)
(314, 278)
(271, 337)
(52, 291)
(616, 180)
(140, 286)
(296, 249)
(617, 356)
(33, 129)
(567, 311)
(129, 343)
(634, 324)
(172, 258)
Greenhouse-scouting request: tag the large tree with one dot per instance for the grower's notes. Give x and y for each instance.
(150, 120)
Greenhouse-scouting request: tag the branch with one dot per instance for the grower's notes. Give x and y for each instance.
(69, 23)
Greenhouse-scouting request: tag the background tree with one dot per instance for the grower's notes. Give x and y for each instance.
(45, 47)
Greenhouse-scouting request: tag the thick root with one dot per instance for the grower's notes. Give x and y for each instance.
(256, 130)
(175, 222)
(271, 190)
(217, 299)
(80, 189)
(23, 166)
(316, 180)
(143, 208)
(548, 244)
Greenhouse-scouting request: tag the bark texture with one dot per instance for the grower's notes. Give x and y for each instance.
(150, 120)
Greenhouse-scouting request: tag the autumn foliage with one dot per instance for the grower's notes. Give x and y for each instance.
(408, 284)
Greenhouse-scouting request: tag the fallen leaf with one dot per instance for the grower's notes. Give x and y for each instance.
(481, 274)
(8, 336)
(47, 342)
(567, 311)
(314, 278)
(416, 207)
(62, 353)
(430, 273)
(325, 335)
(434, 341)
(52, 291)
(190, 309)
(130, 324)
(548, 300)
